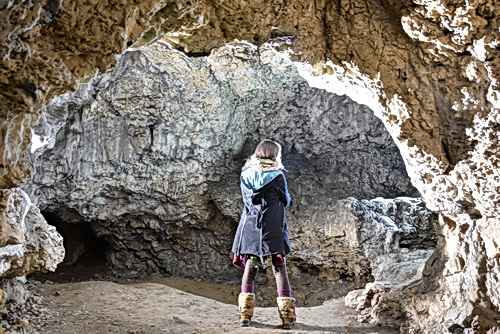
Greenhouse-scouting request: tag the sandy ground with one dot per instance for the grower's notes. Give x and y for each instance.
(95, 307)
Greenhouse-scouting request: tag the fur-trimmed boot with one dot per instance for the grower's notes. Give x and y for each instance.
(286, 308)
(246, 303)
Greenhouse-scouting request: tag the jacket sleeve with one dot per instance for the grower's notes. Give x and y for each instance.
(283, 190)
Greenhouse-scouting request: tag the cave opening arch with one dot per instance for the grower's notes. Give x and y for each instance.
(444, 51)
(132, 150)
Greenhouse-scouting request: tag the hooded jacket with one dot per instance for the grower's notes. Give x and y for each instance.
(262, 230)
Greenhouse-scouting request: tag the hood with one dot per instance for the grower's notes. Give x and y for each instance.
(254, 180)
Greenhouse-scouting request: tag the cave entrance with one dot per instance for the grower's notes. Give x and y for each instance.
(85, 253)
(169, 133)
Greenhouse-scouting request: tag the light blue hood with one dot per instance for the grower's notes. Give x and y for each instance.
(254, 180)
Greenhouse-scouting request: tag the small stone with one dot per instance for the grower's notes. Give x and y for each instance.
(176, 320)
(22, 322)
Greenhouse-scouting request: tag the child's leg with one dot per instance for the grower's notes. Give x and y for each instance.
(281, 276)
(246, 299)
(249, 275)
(286, 304)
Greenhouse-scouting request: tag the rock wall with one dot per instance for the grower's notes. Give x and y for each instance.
(431, 68)
(48, 46)
(29, 244)
(441, 106)
(150, 156)
(398, 237)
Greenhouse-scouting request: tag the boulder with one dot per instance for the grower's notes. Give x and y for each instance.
(32, 244)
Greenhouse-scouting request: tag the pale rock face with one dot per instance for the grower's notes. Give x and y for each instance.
(49, 46)
(32, 245)
(398, 238)
(392, 233)
(15, 289)
(14, 210)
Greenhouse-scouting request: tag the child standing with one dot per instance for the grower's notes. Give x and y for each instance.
(262, 231)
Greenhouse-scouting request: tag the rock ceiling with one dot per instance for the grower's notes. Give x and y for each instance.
(432, 66)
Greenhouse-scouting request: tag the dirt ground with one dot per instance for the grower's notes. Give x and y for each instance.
(153, 307)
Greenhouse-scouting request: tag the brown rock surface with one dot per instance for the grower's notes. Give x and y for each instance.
(432, 66)
(3, 299)
(48, 46)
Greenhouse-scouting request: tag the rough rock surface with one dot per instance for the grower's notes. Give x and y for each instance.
(442, 110)
(169, 202)
(30, 244)
(389, 233)
(431, 66)
(398, 237)
(23, 311)
(48, 46)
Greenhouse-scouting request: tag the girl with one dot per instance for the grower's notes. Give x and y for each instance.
(262, 231)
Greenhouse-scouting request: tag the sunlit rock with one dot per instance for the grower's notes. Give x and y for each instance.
(31, 244)
(430, 68)
(398, 237)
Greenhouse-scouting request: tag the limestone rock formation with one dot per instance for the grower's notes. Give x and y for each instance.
(48, 46)
(398, 237)
(389, 232)
(430, 67)
(15, 289)
(29, 243)
(150, 156)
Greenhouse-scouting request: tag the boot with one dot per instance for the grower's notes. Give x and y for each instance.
(246, 302)
(286, 308)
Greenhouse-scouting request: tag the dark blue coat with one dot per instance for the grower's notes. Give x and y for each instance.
(262, 230)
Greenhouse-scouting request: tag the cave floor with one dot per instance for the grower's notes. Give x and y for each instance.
(149, 308)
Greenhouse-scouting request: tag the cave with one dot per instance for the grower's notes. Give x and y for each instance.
(425, 75)
(83, 248)
(130, 136)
